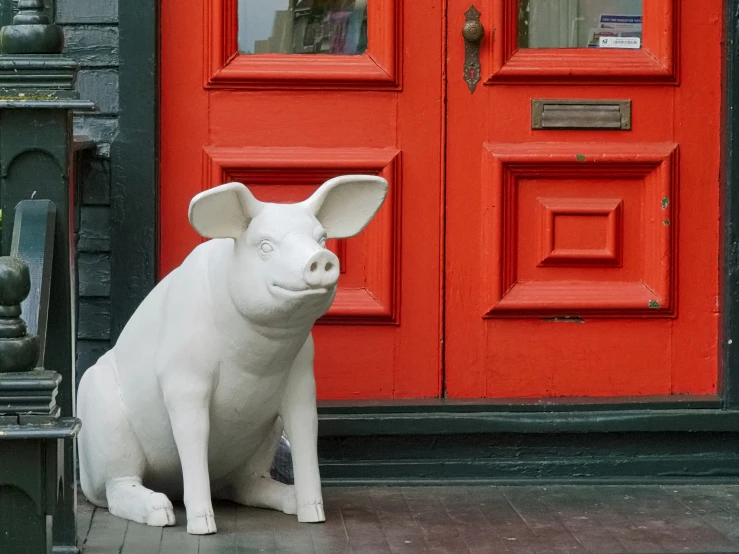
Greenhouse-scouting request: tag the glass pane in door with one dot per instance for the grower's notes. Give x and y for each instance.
(580, 23)
(302, 26)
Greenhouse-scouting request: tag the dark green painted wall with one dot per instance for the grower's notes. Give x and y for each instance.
(731, 210)
(91, 39)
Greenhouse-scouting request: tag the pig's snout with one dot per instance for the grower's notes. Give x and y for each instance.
(321, 270)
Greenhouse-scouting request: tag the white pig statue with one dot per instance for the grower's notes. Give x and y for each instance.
(218, 359)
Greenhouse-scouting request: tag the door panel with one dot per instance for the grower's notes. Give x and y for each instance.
(228, 66)
(583, 262)
(369, 288)
(588, 234)
(282, 123)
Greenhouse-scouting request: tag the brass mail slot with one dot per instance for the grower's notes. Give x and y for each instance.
(581, 114)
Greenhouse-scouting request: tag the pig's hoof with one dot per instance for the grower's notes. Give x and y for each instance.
(161, 517)
(202, 522)
(311, 513)
(128, 499)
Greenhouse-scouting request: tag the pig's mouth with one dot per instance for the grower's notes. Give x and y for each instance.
(291, 292)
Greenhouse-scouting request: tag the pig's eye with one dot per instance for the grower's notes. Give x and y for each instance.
(266, 248)
(322, 242)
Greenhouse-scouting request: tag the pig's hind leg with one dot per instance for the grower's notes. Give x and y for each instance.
(252, 485)
(112, 463)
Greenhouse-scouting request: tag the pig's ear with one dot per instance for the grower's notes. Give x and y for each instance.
(223, 211)
(345, 205)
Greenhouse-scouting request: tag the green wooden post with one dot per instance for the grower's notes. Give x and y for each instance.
(37, 100)
(30, 427)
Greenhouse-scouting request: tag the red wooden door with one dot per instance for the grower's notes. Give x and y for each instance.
(283, 95)
(577, 262)
(584, 262)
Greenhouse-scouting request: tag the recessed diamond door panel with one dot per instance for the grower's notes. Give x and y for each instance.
(580, 231)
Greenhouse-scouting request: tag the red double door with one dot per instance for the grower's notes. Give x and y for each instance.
(554, 232)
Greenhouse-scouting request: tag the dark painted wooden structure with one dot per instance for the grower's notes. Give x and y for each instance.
(37, 153)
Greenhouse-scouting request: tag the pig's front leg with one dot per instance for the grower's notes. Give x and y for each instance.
(187, 391)
(298, 412)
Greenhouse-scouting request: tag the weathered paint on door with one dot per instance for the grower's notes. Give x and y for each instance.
(584, 262)
(282, 124)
